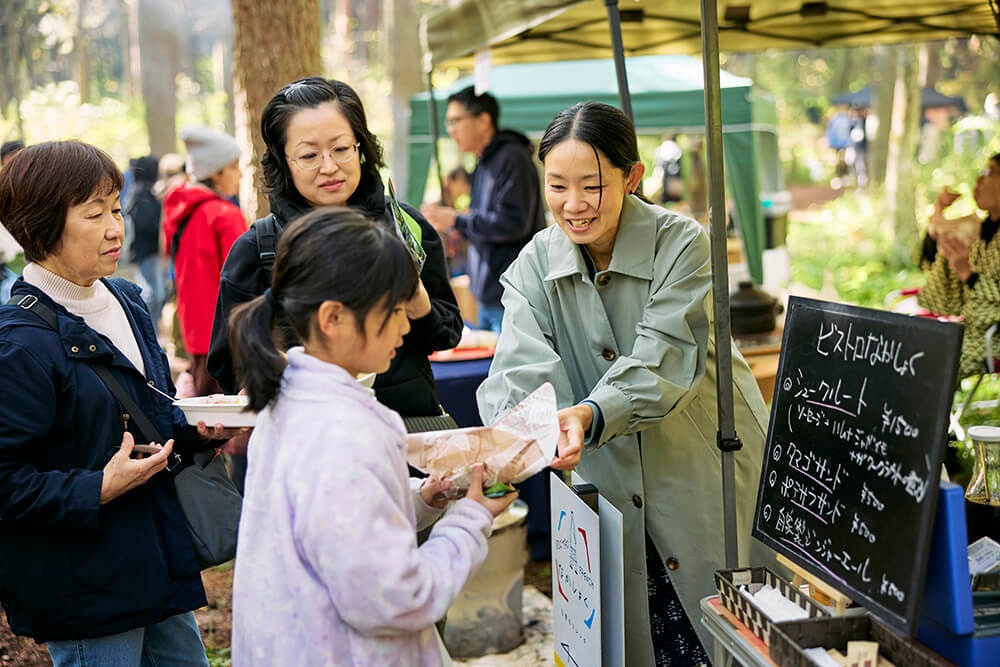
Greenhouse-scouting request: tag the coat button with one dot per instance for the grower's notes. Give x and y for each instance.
(672, 564)
(74, 349)
(609, 354)
(603, 279)
(637, 501)
(93, 348)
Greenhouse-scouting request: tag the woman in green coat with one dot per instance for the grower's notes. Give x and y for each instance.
(611, 305)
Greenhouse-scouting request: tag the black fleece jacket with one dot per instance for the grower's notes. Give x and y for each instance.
(408, 386)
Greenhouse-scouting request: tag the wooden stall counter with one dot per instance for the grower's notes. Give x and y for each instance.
(762, 353)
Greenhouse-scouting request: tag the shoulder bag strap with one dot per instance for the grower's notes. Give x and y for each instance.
(30, 302)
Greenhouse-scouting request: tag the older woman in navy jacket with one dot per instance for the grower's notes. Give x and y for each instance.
(95, 554)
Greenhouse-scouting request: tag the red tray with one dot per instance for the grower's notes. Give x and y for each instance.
(463, 354)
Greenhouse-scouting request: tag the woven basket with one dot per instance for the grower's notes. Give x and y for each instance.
(727, 582)
(788, 640)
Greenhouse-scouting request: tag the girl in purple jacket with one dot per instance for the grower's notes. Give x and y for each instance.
(328, 570)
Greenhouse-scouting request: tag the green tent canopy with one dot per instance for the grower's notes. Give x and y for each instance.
(667, 96)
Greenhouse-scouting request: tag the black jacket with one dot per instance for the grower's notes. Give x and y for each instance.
(143, 211)
(408, 386)
(505, 212)
(71, 568)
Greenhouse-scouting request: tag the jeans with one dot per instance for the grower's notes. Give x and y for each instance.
(490, 318)
(174, 642)
(150, 279)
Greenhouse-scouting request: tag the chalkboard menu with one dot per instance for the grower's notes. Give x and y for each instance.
(857, 433)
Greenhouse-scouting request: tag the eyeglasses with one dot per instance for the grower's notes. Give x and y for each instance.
(310, 159)
(454, 120)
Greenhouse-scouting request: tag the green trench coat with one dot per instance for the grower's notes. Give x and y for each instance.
(637, 340)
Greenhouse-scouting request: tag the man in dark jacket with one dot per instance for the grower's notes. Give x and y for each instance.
(506, 207)
(142, 212)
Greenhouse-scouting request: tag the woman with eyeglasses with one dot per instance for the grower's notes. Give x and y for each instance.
(320, 152)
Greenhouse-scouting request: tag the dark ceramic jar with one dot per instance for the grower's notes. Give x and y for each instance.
(752, 311)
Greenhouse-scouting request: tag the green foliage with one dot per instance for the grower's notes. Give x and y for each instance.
(55, 112)
(219, 657)
(848, 247)
(965, 150)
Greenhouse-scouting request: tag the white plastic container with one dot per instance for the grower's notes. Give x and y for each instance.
(230, 411)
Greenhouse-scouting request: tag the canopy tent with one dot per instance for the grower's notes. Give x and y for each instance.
(929, 99)
(545, 30)
(667, 96)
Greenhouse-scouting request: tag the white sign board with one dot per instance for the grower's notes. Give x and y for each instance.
(612, 585)
(576, 580)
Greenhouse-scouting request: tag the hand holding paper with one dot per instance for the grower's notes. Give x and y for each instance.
(518, 445)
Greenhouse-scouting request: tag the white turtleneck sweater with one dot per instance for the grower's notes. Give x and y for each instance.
(95, 304)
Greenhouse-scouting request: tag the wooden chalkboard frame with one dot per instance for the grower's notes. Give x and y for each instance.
(948, 336)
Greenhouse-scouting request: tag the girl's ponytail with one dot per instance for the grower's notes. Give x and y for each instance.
(258, 362)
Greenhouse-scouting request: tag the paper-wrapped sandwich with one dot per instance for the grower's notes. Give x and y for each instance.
(519, 445)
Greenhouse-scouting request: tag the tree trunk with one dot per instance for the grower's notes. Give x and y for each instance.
(404, 70)
(883, 83)
(900, 173)
(159, 64)
(81, 53)
(134, 50)
(222, 73)
(274, 43)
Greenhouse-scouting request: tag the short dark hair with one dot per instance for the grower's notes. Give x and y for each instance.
(9, 147)
(309, 93)
(42, 182)
(145, 169)
(457, 173)
(477, 104)
(329, 254)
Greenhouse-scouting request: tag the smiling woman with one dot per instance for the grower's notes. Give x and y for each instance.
(76, 510)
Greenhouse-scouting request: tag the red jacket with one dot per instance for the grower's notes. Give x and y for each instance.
(212, 229)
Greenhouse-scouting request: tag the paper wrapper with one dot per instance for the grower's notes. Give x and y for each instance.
(519, 445)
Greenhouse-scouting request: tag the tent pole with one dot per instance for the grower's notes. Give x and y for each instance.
(726, 437)
(618, 49)
(433, 124)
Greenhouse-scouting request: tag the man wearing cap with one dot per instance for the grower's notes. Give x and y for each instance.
(199, 227)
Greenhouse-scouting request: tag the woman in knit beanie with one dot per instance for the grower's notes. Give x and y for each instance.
(200, 224)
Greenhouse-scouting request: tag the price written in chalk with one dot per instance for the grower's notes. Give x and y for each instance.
(855, 441)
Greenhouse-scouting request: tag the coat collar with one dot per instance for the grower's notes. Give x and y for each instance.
(633, 254)
(79, 341)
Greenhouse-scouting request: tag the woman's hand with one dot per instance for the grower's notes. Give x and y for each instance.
(419, 304)
(495, 505)
(573, 425)
(123, 473)
(957, 253)
(219, 432)
(432, 492)
(945, 199)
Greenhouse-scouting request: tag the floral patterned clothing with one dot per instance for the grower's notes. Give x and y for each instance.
(977, 300)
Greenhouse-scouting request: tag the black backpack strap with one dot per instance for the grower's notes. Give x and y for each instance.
(267, 230)
(175, 242)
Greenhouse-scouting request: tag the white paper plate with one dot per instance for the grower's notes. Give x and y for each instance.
(230, 414)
